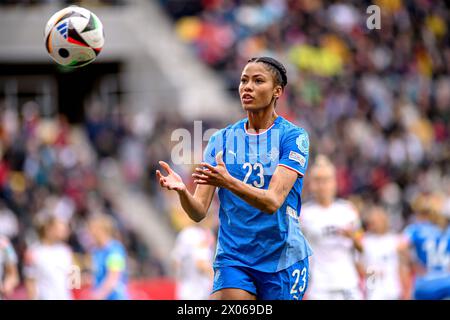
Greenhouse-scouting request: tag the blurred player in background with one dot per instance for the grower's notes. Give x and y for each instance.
(108, 260)
(261, 252)
(48, 263)
(387, 273)
(334, 229)
(9, 275)
(193, 257)
(429, 238)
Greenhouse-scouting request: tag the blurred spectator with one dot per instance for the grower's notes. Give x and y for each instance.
(109, 261)
(332, 226)
(9, 275)
(387, 272)
(428, 237)
(193, 257)
(49, 263)
(9, 224)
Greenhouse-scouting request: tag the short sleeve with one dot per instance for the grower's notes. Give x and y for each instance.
(115, 261)
(215, 144)
(295, 151)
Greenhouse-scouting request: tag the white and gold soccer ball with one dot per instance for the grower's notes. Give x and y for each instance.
(74, 37)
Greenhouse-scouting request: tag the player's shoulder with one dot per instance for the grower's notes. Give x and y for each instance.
(424, 227)
(344, 204)
(238, 125)
(309, 209)
(309, 205)
(65, 248)
(290, 128)
(293, 134)
(420, 230)
(346, 207)
(116, 246)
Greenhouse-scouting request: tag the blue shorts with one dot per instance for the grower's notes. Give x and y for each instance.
(432, 287)
(287, 284)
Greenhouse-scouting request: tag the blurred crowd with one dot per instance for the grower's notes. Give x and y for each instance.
(377, 102)
(63, 2)
(49, 167)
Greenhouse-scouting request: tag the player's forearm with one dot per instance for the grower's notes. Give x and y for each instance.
(262, 199)
(111, 282)
(10, 283)
(357, 244)
(30, 286)
(194, 208)
(405, 272)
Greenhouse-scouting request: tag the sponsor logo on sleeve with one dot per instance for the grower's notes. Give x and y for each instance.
(298, 158)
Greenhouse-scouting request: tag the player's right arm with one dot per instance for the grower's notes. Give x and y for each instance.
(30, 275)
(196, 205)
(11, 274)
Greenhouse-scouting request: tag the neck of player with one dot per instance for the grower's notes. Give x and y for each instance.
(325, 201)
(261, 120)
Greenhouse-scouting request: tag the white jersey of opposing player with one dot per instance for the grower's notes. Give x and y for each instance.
(193, 244)
(381, 260)
(333, 271)
(50, 266)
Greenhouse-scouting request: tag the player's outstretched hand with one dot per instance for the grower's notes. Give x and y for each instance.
(172, 181)
(215, 176)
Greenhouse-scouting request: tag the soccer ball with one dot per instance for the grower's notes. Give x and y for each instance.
(74, 37)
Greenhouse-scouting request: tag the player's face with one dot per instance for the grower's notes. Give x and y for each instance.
(257, 88)
(95, 230)
(378, 222)
(323, 184)
(59, 230)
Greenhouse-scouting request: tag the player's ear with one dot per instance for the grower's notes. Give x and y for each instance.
(277, 91)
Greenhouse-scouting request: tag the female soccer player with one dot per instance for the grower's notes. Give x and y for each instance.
(333, 228)
(48, 263)
(258, 164)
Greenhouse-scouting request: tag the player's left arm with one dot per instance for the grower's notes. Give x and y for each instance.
(267, 200)
(11, 280)
(356, 236)
(11, 274)
(405, 268)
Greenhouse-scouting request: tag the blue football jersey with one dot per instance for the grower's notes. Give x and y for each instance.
(431, 245)
(111, 257)
(248, 236)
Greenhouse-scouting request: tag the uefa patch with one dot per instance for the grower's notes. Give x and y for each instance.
(297, 157)
(303, 143)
